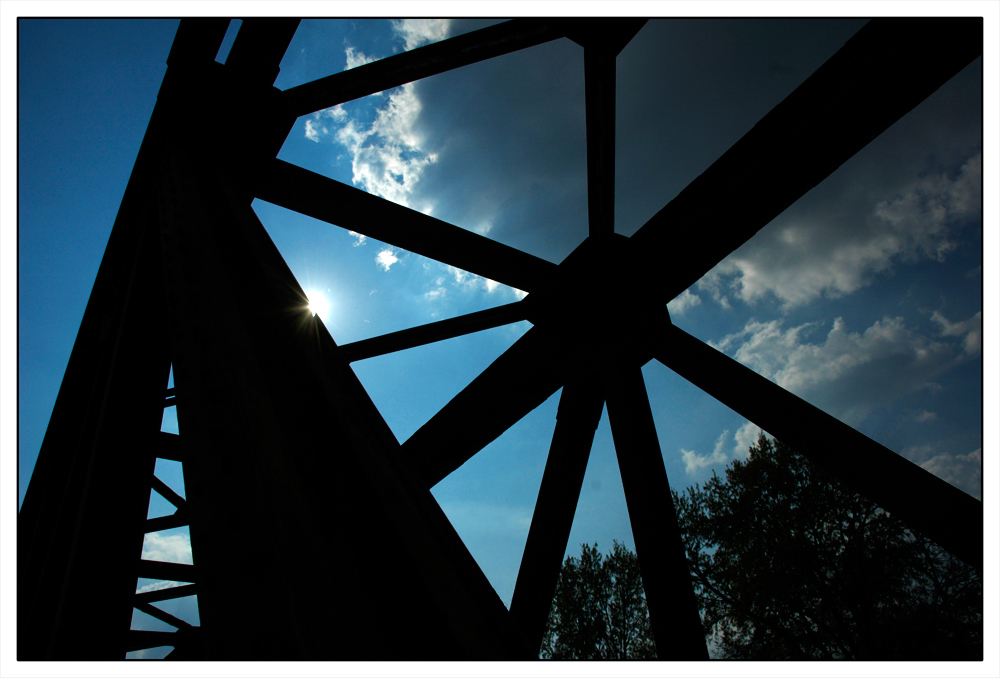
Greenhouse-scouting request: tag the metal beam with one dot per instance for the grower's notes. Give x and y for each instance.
(251, 372)
(314, 195)
(81, 523)
(579, 414)
(432, 332)
(422, 62)
(143, 640)
(176, 519)
(923, 501)
(197, 41)
(164, 491)
(599, 83)
(169, 593)
(517, 382)
(170, 446)
(164, 617)
(601, 43)
(880, 74)
(666, 578)
(259, 47)
(158, 569)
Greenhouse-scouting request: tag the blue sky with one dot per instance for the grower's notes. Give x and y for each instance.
(864, 297)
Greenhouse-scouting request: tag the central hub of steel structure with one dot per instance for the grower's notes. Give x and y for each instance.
(247, 373)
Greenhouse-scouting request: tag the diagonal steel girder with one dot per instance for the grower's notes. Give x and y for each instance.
(319, 197)
(923, 501)
(421, 62)
(884, 71)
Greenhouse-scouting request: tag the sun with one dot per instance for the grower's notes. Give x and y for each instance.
(317, 303)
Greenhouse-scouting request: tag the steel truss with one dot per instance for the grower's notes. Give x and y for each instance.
(249, 371)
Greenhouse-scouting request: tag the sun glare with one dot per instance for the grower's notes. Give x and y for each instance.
(317, 304)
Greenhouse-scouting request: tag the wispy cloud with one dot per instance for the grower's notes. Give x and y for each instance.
(970, 331)
(684, 301)
(848, 373)
(157, 586)
(356, 58)
(171, 548)
(316, 126)
(386, 154)
(694, 462)
(744, 437)
(798, 261)
(386, 158)
(470, 281)
(964, 471)
(417, 32)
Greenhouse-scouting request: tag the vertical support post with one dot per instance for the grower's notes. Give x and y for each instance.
(599, 79)
(579, 413)
(673, 608)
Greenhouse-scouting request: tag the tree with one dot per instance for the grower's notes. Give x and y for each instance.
(788, 563)
(599, 609)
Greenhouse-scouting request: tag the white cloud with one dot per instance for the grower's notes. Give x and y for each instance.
(157, 586)
(745, 436)
(313, 130)
(683, 302)
(359, 236)
(356, 58)
(798, 260)
(416, 32)
(171, 548)
(386, 159)
(970, 330)
(471, 282)
(964, 471)
(925, 416)
(386, 258)
(436, 293)
(694, 462)
(848, 373)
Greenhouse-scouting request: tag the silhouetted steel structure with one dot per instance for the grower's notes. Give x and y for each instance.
(248, 372)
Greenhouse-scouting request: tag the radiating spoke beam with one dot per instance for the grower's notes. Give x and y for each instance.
(422, 62)
(923, 501)
(601, 41)
(599, 78)
(666, 578)
(579, 413)
(314, 195)
(431, 332)
(517, 382)
(164, 617)
(880, 74)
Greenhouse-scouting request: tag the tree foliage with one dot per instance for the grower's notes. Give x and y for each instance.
(790, 564)
(599, 609)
